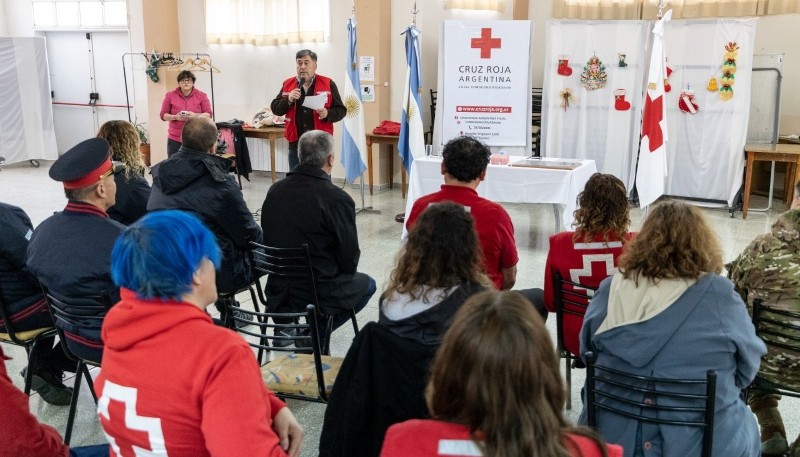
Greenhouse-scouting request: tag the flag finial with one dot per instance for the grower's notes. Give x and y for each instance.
(414, 12)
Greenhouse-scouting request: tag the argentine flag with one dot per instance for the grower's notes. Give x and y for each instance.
(354, 143)
(412, 135)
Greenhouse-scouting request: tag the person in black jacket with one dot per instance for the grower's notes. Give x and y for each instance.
(25, 305)
(70, 251)
(196, 180)
(306, 207)
(132, 189)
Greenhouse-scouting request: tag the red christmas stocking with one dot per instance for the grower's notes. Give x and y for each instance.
(563, 66)
(686, 102)
(667, 86)
(619, 100)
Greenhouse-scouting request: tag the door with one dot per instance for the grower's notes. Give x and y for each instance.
(83, 63)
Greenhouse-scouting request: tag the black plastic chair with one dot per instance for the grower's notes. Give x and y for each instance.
(652, 400)
(294, 263)
(568, 300)
(91, 318)
(298, 369)
(776, 328)
(27, 339)
(536, 121)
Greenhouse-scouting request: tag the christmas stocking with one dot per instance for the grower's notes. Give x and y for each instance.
(619, 100)
(686, 102)
(563, 66)
(667, 86)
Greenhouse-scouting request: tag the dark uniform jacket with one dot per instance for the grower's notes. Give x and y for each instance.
(306, 207)
(70, 254)
(381, 383)
(199, 182)
(132, 196)
(19, 290)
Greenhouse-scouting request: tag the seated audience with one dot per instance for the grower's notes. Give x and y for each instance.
(495, 390)
(589, 254)
(668, 313)
(464, 162)
(306, 207)
(22, 296)
(195, 387)
(21, 435)
(769, 270)
(195, 179)
(70, 251)
(437, 269)
(132, 189)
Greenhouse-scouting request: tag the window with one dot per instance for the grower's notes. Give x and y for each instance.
(648, 9)
(267, 22)
(79, 14)
(485, 5)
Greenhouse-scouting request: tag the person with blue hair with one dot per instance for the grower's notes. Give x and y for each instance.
(194, 388)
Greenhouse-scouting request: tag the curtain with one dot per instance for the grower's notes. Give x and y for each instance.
(597, 9)
(486, 5)
(648, 9)
(266, 22)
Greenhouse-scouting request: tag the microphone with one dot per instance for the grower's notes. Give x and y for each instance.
(302, 89)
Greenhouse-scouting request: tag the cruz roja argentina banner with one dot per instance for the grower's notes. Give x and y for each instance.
(486, 89)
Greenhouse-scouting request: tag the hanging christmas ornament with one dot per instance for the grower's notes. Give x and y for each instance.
(686, 102)
(667, 85)
(712, 84)
(728, 71)
(619, 100)
(622, 63)
(594, 74)
(566, 98)
(563, 66)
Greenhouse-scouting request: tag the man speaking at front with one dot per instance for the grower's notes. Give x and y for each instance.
(293, 93)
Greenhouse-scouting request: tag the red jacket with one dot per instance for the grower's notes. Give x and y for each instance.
(585, 263)
(322, 85)
(20, 432)
(196, 388)
(432, 438)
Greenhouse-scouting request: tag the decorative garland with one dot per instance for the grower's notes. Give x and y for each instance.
(728, 71)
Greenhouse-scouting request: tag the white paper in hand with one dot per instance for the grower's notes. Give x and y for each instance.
(315, 101)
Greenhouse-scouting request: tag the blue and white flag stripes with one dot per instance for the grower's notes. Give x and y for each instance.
(412, 136)
(354, 143)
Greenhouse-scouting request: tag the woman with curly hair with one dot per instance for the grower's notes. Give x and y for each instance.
(438, 268)
(668, 313)
(133, 190)
(495, 390)
(589, 254)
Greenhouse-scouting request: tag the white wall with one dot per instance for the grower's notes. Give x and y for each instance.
(780, 34)
(19, 17)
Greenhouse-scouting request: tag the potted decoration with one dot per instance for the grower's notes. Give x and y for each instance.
(144, 138)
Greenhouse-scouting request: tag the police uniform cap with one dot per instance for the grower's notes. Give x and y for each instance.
(84, 164)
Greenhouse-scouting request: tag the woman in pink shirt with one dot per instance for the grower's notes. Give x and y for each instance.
(179, 105)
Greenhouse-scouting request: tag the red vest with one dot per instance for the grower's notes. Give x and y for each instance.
(321, 85)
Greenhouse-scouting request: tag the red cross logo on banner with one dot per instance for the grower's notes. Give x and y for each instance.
(486, 43)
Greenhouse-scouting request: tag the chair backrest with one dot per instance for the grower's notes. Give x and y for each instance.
(571, 298)
(536, 106)
(679, 402)
(93, 309)
(299, 335)
(290, 263)
(433, 108)
(779, 330)
(5, 315)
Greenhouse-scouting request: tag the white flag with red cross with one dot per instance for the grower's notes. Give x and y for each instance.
(652, 170)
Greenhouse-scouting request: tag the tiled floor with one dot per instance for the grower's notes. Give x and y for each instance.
(379, 234)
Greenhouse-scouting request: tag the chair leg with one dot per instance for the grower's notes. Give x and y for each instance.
(28, 371)
(73, 404)
(89, 381)
(568, 375)
(353, 319)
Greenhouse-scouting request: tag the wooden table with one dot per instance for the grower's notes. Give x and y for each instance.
(789, 153)
(271, 134)
(373, 138)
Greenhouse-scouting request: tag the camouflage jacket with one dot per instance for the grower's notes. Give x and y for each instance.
(769, 269)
